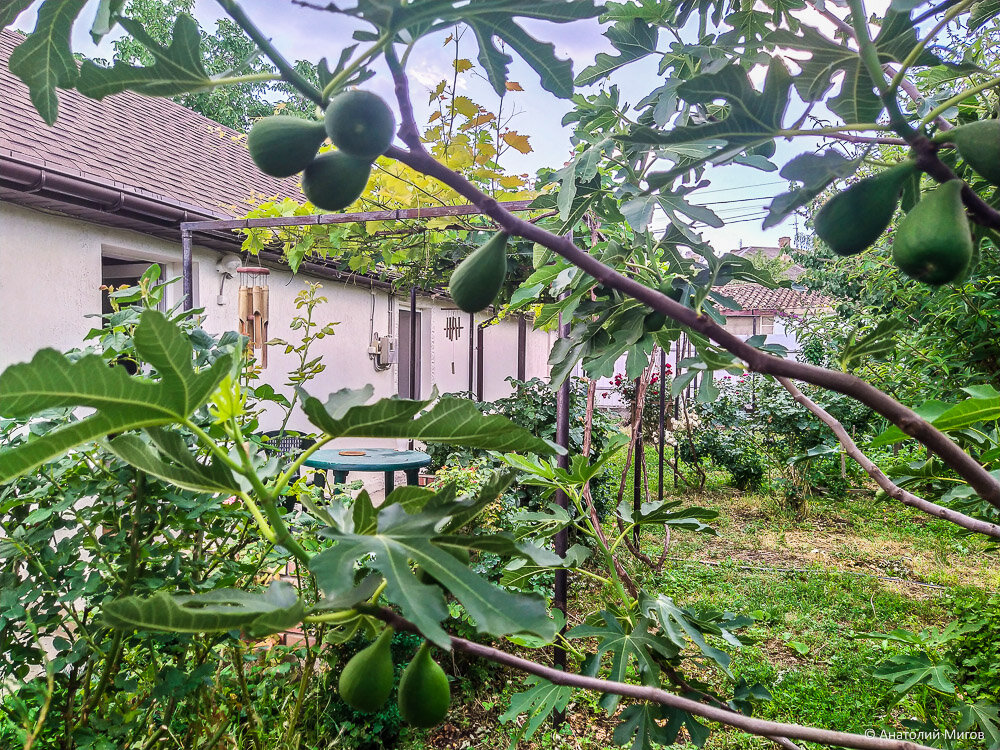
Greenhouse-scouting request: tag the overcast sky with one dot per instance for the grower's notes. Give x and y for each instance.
(302, 33)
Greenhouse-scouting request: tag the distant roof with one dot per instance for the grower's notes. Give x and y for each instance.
(756, 299)
(151, 146)
(793, 272)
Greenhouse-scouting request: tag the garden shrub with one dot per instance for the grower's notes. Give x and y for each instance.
(532, 405)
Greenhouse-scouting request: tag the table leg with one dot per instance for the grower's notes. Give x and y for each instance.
(340, 477)
(390, 482)
(411, 476)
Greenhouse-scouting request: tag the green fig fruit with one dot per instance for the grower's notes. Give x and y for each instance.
(335, 180)
(852, 220)
(283, 145)
(934, 243)
(979, 144)
(360, 124)
(366, 682)
(478, 279)
(424, 694)
(654, 321)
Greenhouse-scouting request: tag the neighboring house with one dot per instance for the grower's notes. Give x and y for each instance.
(97, 198)
(781, 252)
(764, 311)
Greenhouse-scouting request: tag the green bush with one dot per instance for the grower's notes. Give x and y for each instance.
(532, 405)
(976, 654)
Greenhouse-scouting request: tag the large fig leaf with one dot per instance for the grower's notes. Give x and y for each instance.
(121, 402)
(44, 61)
(402, 539)
(491, 20)
(857, 100)
(272, 611)
(633, 38)
(538, 702)
(450, 420)
(169, 458)
(753, 115)
(625, 646)
(176, 69)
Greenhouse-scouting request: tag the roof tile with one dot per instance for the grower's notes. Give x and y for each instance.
(148, 144)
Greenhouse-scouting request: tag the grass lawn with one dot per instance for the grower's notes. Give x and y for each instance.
(850, 565)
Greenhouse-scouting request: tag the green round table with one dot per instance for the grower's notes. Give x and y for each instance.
(385, 460)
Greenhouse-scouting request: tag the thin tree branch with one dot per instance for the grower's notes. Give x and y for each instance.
(984, 484)
(649, 694)
(890, 487)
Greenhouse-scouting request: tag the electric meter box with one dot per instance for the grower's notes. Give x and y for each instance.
(387, 350)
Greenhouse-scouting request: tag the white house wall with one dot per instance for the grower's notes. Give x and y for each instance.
(50, 278)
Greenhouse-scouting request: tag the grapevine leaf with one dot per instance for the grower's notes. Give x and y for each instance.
(450, 420)
(44, 61)
(121, 402)
(402, 538)
(176, 69)
(276, 609)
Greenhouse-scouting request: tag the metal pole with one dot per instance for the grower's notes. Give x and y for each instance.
(561, 540)
(637, 467)
(522, 345)
(479, 362)
(663, 408)
(187, 275)
(472, 353)
(413, 349)
(413, 342)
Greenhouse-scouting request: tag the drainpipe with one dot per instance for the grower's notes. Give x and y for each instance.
(472, 352)
(187, 274)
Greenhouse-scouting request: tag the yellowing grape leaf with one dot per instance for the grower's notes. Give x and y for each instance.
(517, 141)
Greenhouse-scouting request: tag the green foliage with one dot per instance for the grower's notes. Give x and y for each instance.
(532, 406)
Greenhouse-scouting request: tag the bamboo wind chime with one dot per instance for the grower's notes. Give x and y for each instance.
(253, 302)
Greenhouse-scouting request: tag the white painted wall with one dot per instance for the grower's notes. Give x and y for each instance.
(50, 278)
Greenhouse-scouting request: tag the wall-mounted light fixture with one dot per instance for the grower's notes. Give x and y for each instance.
(226, 268)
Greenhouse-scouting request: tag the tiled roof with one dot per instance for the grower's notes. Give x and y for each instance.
(152, 145)
(760, 298)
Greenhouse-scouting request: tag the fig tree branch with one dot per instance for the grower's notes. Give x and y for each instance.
(760, 727)
(890, 487)
(287, 70)
(984, 484)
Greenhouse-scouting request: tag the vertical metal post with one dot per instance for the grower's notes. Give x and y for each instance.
(480, 369)
(413, 343)
(187, 273)
(472, 352)
(637, 465)
(522, 347)
(413, 351)
(663, 409)
(561, 540)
